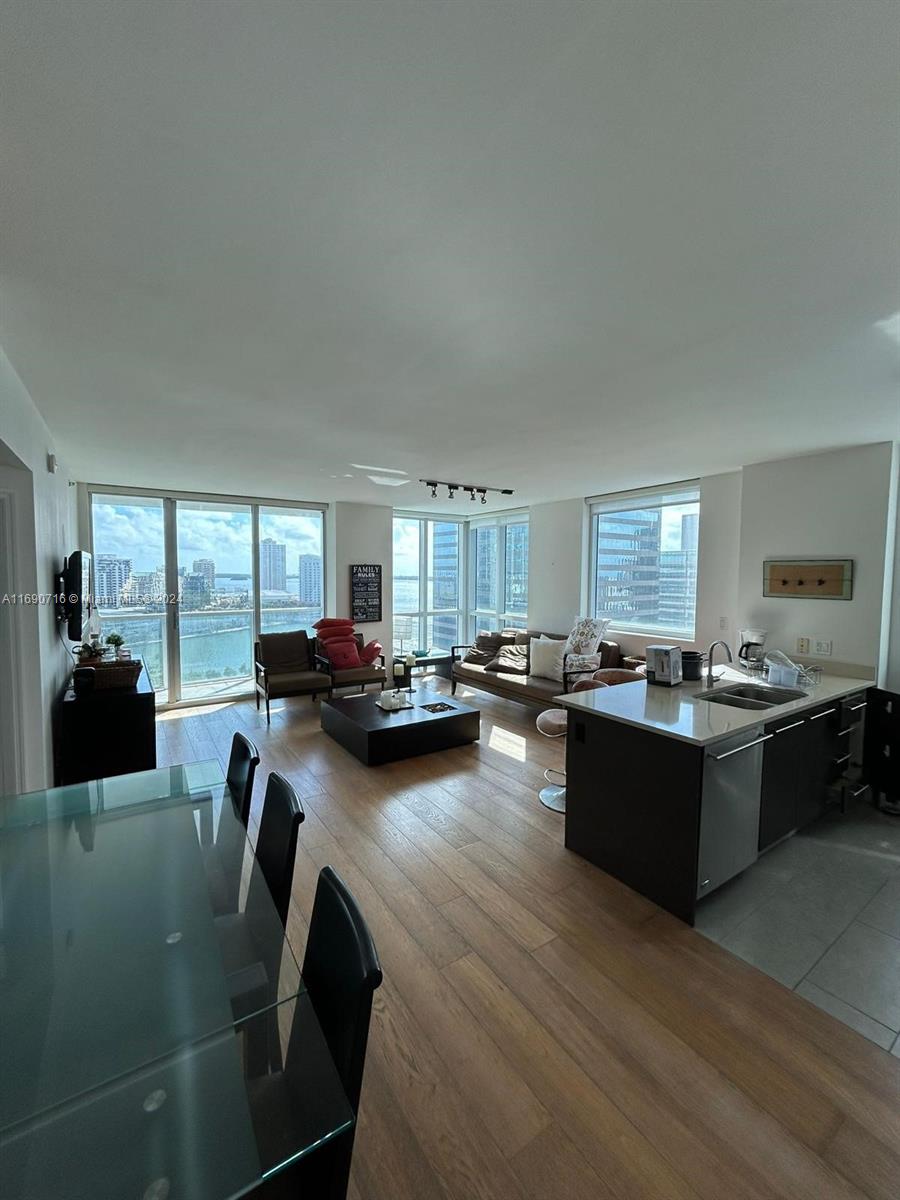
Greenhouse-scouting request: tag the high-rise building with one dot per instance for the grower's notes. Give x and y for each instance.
(272, 566)
(309, 570)
(195, 591)
(444, 627)
(112, 580)
(207, 568)
(516, 598)
(690, 531)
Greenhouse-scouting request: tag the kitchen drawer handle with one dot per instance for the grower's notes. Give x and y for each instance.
(844, 732)
(785, 728)
(826, 713)
(854, 792)
(728, 753)
(857, 707)
(844, 758)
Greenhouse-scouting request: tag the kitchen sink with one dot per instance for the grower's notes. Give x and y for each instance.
(753, 696)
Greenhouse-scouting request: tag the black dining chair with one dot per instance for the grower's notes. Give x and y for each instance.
(251, 953)
(341, 972)
(242, 764)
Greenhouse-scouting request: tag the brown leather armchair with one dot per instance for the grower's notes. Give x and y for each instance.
(286, 666)
(352, 676)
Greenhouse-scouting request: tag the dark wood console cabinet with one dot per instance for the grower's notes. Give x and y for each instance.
(106, 732)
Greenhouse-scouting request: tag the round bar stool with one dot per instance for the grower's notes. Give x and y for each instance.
(552, 724)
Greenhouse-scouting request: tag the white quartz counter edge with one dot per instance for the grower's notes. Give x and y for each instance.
(681, 713)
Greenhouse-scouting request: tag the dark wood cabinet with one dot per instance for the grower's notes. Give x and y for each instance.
(803, 762)
(106, 732)
(783, 757)
(882, 743)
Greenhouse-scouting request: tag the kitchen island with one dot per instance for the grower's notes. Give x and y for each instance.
(674, 792)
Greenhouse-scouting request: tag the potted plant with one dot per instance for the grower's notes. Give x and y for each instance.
(116, 641)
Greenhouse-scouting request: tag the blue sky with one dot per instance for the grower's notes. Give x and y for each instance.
(135, 531)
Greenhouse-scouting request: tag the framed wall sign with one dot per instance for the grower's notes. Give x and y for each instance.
(809, 578)
(365, 592)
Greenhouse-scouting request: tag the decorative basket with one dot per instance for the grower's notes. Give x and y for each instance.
(113, 673)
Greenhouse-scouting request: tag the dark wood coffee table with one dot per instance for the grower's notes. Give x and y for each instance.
(375, 736)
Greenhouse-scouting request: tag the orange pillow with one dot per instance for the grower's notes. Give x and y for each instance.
(343, 654)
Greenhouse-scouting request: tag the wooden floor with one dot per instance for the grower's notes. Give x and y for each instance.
(542, 1031)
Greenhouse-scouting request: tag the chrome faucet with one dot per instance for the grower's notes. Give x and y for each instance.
(709, 665)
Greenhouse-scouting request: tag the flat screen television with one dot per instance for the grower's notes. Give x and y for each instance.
(73, 589)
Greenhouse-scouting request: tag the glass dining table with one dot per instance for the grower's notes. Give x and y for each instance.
(156, 1038)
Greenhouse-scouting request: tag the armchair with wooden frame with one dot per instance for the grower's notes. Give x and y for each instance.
(340, 677)
(285, 665)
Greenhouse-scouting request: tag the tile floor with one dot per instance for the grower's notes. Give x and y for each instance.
(821, 913)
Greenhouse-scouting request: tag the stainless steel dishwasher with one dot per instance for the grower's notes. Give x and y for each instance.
(729, 808)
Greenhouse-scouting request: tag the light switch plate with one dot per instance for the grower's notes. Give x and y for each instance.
(822, 647)
(803, 645)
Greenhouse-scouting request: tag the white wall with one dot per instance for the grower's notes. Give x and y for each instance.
(891, 660)
(44, 525)
(833, 505)
(557, 570)
(360, 533)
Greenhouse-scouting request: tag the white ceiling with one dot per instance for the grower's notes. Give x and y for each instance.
(561, 247)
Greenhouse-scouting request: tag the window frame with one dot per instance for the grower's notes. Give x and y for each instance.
(683, 492)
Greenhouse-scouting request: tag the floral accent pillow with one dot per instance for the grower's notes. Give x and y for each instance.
(587, 634)
(583, 663)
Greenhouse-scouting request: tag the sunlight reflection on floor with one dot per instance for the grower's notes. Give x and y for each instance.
(513, 745)
(175, 714)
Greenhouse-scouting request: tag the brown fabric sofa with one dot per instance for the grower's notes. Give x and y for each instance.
(285, 666)
(527, 689)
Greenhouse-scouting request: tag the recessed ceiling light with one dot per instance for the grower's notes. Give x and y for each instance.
(378, 470)
(389, 480)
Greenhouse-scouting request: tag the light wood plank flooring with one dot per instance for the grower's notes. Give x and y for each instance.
(543, 1032)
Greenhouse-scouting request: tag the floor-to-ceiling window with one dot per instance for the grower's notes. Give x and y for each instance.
(291, 574)
(498, 573)
(130, 578)
(189, 582)
(427, 583)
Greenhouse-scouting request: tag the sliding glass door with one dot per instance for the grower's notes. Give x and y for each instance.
(130, 578)
(214, 547)
(191, 582)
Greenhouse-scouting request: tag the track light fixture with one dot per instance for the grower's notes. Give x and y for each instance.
(471, 489)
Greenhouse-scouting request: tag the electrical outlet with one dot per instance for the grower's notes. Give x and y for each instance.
(822, 648)
(723, 622)
(803, 645)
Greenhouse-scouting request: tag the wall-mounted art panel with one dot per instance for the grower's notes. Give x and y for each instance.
(809, 578)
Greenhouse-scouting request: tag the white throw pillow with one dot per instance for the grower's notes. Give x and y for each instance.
(586, 635)
(546, 658)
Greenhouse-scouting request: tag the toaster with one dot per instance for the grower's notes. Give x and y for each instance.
(664, 665)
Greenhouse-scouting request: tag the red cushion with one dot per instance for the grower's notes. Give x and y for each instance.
(344, 654)
(332, 622)
(336, 635)
(370, 652)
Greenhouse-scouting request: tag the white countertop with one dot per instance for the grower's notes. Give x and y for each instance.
(681, 712)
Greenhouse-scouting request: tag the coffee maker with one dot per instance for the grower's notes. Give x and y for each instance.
(751, 648)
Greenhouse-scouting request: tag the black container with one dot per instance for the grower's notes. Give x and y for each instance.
(691, 665)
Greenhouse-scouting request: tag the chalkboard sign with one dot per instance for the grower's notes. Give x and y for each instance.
(365, 592)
